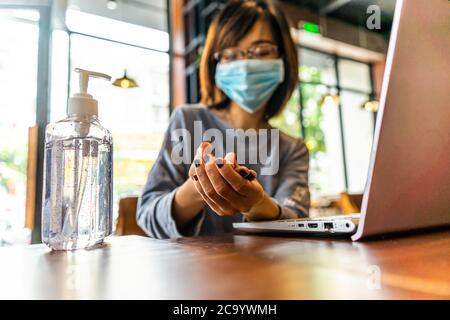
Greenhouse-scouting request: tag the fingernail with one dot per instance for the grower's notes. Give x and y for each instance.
(197, 163)
(206, 158)
(244, 174)
(195, 177)
(219, 163)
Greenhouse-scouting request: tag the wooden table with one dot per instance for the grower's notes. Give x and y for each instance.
(232, 267)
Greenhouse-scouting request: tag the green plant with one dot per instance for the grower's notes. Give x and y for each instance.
(312, 118)
(12, 161)
(289, 120)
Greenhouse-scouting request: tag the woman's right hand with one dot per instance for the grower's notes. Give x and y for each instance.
(221, 185)
(204, 186)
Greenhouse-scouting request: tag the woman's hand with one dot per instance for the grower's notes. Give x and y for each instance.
(223, 187)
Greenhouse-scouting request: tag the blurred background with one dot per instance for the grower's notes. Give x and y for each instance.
(152, 48)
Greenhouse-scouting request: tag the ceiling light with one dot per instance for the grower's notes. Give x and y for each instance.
(330, 100)
(125, 82)
(111, 4)
(371, 105)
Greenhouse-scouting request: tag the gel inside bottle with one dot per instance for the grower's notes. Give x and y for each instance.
(77, 198)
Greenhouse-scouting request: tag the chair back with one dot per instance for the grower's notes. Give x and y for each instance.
(126, 222)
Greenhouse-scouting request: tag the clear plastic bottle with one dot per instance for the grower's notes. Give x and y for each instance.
(78, 186)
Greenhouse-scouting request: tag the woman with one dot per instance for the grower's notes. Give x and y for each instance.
(248, 72)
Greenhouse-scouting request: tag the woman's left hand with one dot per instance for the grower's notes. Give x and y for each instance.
(227, 192)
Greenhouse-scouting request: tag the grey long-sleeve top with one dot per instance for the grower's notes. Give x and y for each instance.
(283, 174)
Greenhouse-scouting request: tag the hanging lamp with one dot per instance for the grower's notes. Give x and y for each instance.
(125, 82)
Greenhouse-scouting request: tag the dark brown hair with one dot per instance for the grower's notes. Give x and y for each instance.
(231, 24)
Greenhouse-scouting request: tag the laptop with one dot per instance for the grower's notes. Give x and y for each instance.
(408, 184)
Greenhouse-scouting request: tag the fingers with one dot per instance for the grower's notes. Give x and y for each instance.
(220, 210)
(214, 206)
(203, 179)
(245, 172)
(231, 159)
(235, 179)
(243, 181)
(221, 186)
(204, 185)
(198, 155)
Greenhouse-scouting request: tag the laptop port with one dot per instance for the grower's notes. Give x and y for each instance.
(312, 225)
(301, 225)
(328, 225)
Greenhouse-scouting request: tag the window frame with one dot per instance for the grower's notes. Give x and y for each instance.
(338, 88)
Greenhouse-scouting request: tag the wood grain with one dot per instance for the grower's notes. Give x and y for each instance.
(233, 267)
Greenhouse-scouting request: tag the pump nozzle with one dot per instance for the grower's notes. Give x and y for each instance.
(83, 103)
(86, 74)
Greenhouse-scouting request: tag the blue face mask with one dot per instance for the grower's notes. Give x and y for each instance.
(250, 83)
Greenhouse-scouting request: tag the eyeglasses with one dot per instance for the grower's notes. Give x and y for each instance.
(259, 51)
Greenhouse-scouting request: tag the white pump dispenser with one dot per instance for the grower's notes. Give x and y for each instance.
(78, 185)
(82, 103)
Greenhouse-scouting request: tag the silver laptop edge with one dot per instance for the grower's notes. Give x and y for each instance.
(336, 225)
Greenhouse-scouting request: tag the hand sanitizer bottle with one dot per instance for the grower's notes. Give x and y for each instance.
(77, 198)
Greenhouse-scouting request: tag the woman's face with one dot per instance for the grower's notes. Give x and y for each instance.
(252, 83)
(258, 43)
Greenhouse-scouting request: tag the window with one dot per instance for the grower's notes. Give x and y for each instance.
(358, 134)
(18, 79)
(137, 117)
(337, 130)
